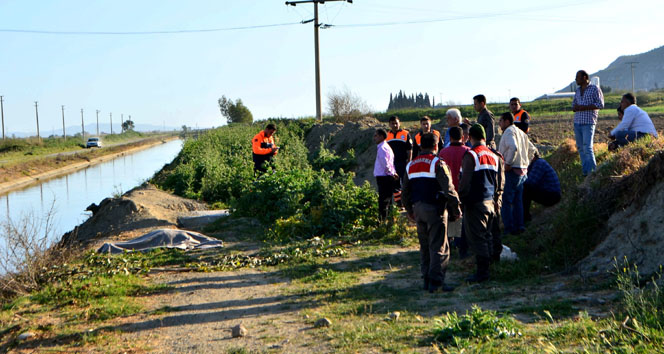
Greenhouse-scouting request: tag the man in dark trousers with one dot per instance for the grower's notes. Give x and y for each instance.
(485, 118)
(480, 191)
(384, 172)
(402, 146)
(428, 195)
(263, 148)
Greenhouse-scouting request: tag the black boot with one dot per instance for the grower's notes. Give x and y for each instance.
(482, 273)
(426, 284)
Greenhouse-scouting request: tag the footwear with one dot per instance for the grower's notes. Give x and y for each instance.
(482, 273)
(426, 284)
(440, 288)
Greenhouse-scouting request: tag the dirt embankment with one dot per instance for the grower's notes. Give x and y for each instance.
(19, 176)
(138, 211)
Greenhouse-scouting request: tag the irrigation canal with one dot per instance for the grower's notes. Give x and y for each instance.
(65, 198)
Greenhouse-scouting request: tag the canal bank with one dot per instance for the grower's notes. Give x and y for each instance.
(26, 181)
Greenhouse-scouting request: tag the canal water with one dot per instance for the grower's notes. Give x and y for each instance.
(67, 197)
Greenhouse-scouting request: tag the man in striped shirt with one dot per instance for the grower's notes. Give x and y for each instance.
(588, 100)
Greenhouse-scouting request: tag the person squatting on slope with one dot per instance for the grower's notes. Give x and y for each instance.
(635, 123)
(386, 175)
(428, 196)
(542, 186)
(480, 191)
(263, 148)
(402, 147)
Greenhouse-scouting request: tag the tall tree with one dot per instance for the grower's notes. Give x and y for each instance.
(234, 112)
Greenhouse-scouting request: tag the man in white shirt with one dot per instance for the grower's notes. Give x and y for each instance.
(635, 122)
(517, 151)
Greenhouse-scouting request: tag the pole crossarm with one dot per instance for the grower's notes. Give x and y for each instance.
(294, 3)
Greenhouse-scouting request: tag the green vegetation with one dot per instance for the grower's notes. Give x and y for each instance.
(235, 112)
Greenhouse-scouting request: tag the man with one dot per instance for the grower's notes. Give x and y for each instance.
(635, 123)
(521, 117)
(587, 102)
(466, 138)
(480, 190)
(453, 155)
(542, 186)
(485, 118)
(425, 127)
(453, 117)
(263, 148)
(517, 151)
(402, 147)
(428, 195)
(384, 172)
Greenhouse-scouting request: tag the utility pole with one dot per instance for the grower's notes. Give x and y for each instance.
(631, 65)
(121, 122)
(111, 115)
(319, 114)
(82, 127)
(37, 118)
(97, 123)
(2, 113)
(64, 133)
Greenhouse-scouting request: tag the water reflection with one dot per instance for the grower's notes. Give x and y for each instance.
(70, 195)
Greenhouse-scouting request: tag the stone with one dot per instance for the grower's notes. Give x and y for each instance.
(394, 316)
(25, 335)
(323, 322)
(239, 331)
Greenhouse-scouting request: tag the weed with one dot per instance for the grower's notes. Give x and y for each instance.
(458, 331)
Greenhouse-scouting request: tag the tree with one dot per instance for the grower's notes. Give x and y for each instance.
(235, 112)
(346, 106)
(128, 125)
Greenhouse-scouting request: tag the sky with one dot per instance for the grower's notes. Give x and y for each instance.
(105, 55)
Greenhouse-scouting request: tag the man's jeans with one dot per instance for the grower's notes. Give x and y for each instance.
(584, 134)
(512, 209)
(625, 137)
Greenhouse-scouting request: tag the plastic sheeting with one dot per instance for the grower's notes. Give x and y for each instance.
(163, 238)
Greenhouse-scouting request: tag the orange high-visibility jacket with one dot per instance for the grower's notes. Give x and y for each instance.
(262, 145)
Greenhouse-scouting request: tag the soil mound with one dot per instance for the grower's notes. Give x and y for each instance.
(634, 229)
(143, 207)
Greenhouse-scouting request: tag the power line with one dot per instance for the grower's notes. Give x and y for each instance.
(120, 33)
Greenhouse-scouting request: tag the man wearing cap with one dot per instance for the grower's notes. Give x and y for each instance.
(480, 191)
(428, 195)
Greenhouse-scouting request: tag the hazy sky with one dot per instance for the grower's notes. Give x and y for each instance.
(450, 49)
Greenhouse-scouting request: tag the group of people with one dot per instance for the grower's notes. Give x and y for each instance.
(463, 174)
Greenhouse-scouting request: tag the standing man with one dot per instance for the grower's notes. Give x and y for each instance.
(263, 148)
(517, 151)
(384, 172)
(521, 117)
(402, 147)
(425, 128)
(480, 191)
(428, 195)
(453, 155)
(485, 118)
(635, 122)
(588, 100)
(453, 117)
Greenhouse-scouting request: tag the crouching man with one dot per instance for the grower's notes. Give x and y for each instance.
(428, 195)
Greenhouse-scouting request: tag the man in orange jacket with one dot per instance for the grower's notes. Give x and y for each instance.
(263, 147)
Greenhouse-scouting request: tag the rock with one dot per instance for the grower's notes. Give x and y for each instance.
(239, 331)
(323, 322)
(25, 335)
(394, 316)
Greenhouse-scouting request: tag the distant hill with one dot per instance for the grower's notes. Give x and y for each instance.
(648, 72)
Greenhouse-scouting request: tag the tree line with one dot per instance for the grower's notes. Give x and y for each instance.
(402, 100)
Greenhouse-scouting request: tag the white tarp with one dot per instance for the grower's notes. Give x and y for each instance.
(163, 238)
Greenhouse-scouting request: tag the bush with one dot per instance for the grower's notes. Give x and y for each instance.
(456, 330)
(346, 106)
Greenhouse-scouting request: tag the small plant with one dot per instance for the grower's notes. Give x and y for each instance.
(456, 330)
(642, 299)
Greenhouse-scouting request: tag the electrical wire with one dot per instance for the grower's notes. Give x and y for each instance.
(11, 30)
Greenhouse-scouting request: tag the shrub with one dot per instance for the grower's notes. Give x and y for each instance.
(642, 299)
(456, 330)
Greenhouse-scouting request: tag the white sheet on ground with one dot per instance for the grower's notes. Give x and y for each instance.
(163, 238)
